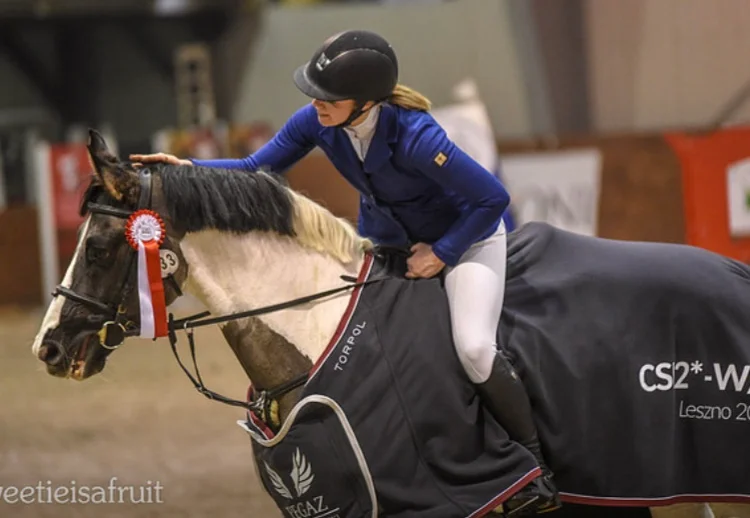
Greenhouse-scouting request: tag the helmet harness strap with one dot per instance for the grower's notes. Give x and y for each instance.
(356, 112)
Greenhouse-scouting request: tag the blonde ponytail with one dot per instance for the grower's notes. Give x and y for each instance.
(410, 99)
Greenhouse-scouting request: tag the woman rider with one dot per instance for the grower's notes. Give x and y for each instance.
(417, 189)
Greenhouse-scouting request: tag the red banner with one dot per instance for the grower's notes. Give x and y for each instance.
(70, 171)
(715, 197)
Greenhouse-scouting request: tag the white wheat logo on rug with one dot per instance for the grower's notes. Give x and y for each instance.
(302, 477)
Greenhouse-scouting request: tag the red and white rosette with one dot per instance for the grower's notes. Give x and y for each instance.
(145, 233)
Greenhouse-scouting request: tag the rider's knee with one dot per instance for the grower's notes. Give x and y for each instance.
(475, 354)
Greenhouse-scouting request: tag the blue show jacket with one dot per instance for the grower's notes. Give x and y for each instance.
(415, 184)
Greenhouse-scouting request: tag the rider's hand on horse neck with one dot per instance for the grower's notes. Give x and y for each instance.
(158, 158)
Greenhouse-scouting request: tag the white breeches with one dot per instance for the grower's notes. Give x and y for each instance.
(476, 288)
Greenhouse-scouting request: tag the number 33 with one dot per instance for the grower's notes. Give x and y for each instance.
(169, 262)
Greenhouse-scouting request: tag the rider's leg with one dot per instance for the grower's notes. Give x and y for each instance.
(476, 288)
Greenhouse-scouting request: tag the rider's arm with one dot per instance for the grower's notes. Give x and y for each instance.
(289, 145)
(437, 157)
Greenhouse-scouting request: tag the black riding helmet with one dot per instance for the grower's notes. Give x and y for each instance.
(356, 64)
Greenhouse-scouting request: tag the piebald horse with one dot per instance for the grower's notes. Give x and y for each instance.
(237, 242)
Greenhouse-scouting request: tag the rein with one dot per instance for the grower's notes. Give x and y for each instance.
(261, 405)
(116, 327)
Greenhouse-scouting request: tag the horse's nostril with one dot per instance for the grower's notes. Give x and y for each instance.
(51, 353)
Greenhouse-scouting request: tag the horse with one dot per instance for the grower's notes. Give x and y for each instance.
(286, 278)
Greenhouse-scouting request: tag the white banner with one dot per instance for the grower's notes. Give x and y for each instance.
(738, 195)
(468, 125)
(560, 188)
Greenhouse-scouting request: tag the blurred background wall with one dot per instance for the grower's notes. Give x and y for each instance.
(439, 44)
(667, 64)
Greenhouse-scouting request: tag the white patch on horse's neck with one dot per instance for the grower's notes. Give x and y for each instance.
(231, 273)
(52, 317)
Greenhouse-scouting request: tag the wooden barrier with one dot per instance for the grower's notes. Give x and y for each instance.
(641, 190)
(20, 267)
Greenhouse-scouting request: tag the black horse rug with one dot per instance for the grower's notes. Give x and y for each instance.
(636, 357)
(388, 424)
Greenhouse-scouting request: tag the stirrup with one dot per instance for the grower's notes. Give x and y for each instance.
(534, 499)
(528, 508)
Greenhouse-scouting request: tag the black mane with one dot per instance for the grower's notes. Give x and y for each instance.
(199, 198)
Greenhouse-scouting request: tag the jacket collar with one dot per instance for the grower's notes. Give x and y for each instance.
(386, 133)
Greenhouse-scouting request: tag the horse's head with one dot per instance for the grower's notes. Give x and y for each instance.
(97, 304)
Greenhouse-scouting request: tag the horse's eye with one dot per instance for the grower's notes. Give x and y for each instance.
(96, 253)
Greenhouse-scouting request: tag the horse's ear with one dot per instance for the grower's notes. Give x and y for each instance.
(120, 180)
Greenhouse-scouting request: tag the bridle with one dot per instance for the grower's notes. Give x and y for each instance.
(116, 327)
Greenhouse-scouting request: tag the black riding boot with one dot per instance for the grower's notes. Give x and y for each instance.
(504, 395)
